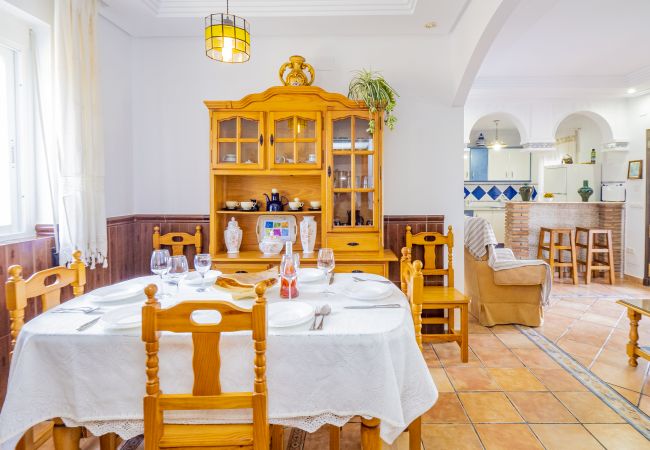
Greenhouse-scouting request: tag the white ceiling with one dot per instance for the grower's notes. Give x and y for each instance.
(576, 44)
(147, 18)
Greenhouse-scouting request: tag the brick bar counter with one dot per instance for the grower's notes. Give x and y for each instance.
(524, 219)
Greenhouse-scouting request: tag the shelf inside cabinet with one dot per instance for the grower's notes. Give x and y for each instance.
(272, 213)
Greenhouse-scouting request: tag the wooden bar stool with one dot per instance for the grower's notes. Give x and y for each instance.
(593, 248)
(554, 244)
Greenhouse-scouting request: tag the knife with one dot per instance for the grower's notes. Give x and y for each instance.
(389, 305)
(331, 279)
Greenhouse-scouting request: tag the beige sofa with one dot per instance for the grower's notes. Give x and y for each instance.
(504, 296)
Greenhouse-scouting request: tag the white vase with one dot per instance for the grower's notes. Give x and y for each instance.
(232, 236)
(308, 228)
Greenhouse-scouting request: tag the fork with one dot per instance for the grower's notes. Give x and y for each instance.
(79, 309)
(357, 279)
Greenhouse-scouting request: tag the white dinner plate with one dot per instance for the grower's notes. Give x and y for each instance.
(121, 292)
(194, 278)
(289, 313)
(123, 318)
(310, 275)
(367, 290)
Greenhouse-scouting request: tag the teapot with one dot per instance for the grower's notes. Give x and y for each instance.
(275, 203)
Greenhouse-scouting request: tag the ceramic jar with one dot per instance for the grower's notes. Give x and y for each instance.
(585, 191)
(308, 228)
(526, 192)
(232, 236)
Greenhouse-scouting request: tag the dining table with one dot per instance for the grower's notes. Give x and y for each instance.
(362, 362)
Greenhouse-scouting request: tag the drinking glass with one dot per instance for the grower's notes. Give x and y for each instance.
(326, 260)
(202, 263)
(160, 265)
(178, 269)
(289, 270)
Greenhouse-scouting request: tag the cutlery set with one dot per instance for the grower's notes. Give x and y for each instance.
(323, 311)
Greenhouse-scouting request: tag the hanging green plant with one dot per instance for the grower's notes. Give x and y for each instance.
(374, 90)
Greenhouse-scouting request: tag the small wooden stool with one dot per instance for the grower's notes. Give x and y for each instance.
(593, 248)
(555, 244)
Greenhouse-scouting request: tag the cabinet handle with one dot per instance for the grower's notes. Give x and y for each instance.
(272, 140)
(261, 140)
(357, 271)
(329, 171)
(242, 271)
(353, 244)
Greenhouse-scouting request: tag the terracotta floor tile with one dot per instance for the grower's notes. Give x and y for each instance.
(535, 358)
(446, 410)
(440, 379)
(489, 407)
(620, 437)
(476, 328)
(507, 437)
(621, 375)
(558, 380)
(497, 358)
(540, 407)
(644, 404)
(503, 329)
(518, 379)
(431, 358)
(450, 436)
(487, 341)
(471, 379)
(575, 348)
(449, 355)
(557, 320)
(600, 319)
(631, 396)
(516, 340)
(565, 436)
(566, 312)
(553, 332)
(591, 333)
(588, 408)
(578, 306)
(609, 309)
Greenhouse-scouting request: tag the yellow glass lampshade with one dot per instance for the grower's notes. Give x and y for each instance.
(227, 38)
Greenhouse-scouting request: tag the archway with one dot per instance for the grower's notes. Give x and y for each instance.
(580, 132)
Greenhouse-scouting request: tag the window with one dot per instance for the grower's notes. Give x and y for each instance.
(10, 217)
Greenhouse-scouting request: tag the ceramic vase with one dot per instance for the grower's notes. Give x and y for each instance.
(585, 191)
(308, 228)
(526, 192)
(232, 236)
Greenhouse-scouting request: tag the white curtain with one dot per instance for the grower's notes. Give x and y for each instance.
(80, 198)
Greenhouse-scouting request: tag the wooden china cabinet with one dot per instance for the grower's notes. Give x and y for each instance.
(310, 144)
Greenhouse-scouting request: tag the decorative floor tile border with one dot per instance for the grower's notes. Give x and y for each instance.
(622, 406)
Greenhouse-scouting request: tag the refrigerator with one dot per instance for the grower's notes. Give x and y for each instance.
(564, 181)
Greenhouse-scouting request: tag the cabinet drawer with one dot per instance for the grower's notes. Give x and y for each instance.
(241, 267)
(377, 269)
(354, 242)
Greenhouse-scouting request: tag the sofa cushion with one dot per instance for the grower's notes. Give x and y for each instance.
(522, 276)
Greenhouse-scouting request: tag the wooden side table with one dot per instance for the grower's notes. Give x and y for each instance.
(636, 308)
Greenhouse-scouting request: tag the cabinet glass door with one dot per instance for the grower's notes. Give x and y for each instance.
(352, 173)
(295, 140)
(238, 141)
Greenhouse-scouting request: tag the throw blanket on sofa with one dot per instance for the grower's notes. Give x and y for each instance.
(480, 239)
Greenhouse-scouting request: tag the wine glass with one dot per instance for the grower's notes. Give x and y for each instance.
(202, 263)
(160, 265)
(178, 269)
(289, 269)
(325, 260)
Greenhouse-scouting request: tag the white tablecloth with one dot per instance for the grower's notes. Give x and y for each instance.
(363, 362)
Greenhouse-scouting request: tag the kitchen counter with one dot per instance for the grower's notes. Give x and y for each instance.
(523, 221)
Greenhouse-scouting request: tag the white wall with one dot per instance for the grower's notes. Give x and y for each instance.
(115, 70)
(589, 136)
(639, 121)
(172, 78)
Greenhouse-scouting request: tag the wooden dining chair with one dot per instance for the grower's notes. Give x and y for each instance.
(444, 297)
(177, 240)
(412, 283)
(45, 285)
(206, 363)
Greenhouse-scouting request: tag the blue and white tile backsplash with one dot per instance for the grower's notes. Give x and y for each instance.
(492, 192)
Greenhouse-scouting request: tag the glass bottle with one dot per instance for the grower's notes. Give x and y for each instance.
(289, 273)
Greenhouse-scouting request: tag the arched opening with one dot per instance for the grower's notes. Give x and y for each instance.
(513, 128)
(578, 134)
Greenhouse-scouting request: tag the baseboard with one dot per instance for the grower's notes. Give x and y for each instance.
(633, 279)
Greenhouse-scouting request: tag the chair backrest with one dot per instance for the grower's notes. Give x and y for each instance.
(412, 284)
(177, 240)
(206, 362)
(431, 241)
(45, 285)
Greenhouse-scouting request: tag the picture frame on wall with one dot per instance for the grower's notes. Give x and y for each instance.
(635, 170)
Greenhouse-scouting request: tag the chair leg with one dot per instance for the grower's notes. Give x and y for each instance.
(66, 438)
(551, 253)
(451, 320)
(276, 437)
(540, 252)
(610, 256)
(590, 257)
(415, 434)
(574, 261)
(27, 441)
(464, 330)
(335, 437)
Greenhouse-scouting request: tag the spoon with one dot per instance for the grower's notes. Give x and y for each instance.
(324, 311)
(318, 313)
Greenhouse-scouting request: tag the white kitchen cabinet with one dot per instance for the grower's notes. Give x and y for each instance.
(466, 165)
(519, 165)
(497, 218)
(498, 164)
(508, 164)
